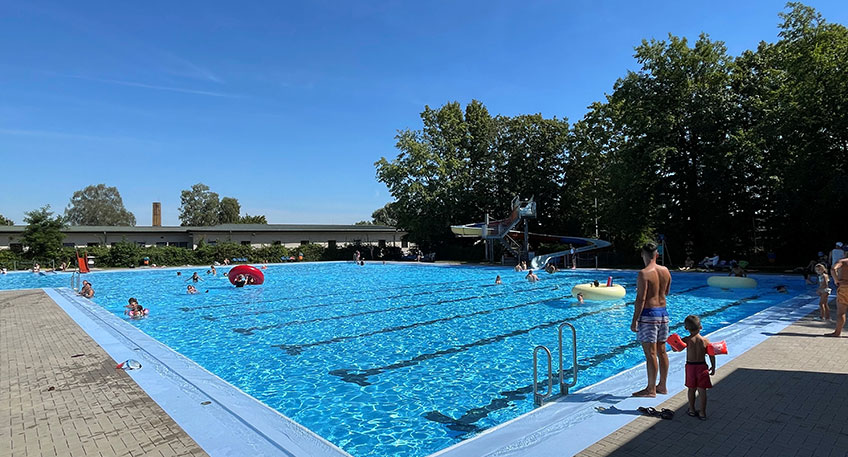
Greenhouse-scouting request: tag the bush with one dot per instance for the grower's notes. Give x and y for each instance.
(170, 255)
(124, 254)
(311, 252)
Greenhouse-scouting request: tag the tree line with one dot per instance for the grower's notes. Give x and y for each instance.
(743, 155)
(102, 205)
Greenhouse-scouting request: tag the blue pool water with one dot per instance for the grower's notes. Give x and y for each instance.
(398, 359)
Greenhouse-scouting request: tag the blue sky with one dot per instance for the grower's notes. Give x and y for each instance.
(287, 105)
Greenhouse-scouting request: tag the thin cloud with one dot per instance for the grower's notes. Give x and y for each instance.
(65, 135)
(192, 70)
(156, 87)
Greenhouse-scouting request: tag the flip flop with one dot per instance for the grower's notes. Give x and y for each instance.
(648, 411)
(703, 418)
(669, 414)
(691, 413)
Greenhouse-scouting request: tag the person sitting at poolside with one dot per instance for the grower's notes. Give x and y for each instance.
(710, 261)
(737, 271)
(3, 270)
(191, 289)
(498, 280)
(36, 268)
(688, 264)
(531, 276)
(87, 291)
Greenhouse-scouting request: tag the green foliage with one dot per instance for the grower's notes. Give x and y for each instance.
(198, 206)
(8, 258)
(741, 155)
(124, 254)
(311, 252)
(248, 219)
(385, 215)
(43, 235)
(5, 221)
(228, 211)
(363, 223)
(98, 205)
(170, 256)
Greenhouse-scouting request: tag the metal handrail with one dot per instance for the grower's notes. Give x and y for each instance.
(537, 397)
(563, 387)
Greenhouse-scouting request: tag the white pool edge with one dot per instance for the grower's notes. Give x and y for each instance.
(232, 424)
(571, 424)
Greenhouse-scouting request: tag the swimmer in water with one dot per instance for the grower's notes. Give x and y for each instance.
(191, 289)
(579, 298)
(498, 280)
(240, 281)
(195, 277)
(531, 276)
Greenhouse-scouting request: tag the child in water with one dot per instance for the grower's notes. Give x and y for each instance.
(697, 372)
(135, 310)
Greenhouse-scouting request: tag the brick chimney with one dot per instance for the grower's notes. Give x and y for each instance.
(157, 214)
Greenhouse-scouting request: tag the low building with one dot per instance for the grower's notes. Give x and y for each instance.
(256, 235)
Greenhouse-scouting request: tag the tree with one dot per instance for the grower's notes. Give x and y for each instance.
(385, 216)
(248, 219)
(363, 223)
(43, 234)
(5, 221)
(199, 206)
(228, 211)
(98, 205)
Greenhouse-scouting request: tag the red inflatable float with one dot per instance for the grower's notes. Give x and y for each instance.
(252, 275)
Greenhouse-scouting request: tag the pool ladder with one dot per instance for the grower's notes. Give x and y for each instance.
(76, 279)
(539, 398)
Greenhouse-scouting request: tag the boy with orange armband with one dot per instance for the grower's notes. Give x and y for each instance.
(697, 372)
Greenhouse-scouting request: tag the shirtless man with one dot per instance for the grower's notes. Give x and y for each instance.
(650, 319)
(839, 273)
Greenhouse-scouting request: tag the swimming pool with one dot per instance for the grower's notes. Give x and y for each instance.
(398, 359)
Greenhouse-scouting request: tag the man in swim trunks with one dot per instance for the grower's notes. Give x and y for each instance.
(839, 273)
(650, 320)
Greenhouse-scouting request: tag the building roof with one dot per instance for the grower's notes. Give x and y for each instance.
(214, 228)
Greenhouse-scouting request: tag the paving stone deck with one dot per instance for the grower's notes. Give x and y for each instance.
(60, 394)
(788, 396)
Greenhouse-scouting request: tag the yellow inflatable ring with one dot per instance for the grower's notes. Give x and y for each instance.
(602, 292)
(732, 282)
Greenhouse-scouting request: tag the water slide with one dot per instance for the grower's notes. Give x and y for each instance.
(580, 245)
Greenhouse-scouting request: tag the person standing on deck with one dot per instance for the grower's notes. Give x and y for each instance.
(839, 272)
(650, 320)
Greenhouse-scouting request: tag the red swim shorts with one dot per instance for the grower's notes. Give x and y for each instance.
(698, 375)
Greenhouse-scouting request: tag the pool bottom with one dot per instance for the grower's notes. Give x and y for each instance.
(235, 423)
(222, 419)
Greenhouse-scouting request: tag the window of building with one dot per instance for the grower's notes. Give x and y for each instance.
(277, 243)
(161, 243)
(113, 244)
(404, 244)
(245, 243)
(140, 244)
(331, 244)
(381, 243)
(179, 244)
(68, 245)
(304, 242)
(212, 242)
(91, 245)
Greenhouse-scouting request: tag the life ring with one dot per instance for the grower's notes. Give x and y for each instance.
(254, 273)
(602, 292)
(732, 282)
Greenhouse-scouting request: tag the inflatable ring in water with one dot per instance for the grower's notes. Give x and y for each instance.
(247, 270)
(602, 292)
(732, 282)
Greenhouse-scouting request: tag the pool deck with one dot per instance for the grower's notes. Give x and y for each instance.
(61, 393)
(786, 396)
(781, 393)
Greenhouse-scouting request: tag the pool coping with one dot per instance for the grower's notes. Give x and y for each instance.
(230, 423)
(570, 424)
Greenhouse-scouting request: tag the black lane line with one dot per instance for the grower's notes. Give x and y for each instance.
(295, 349)
(250, 330)
(466, 423)
(323, 305)
(301, 297)
(361, 376)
